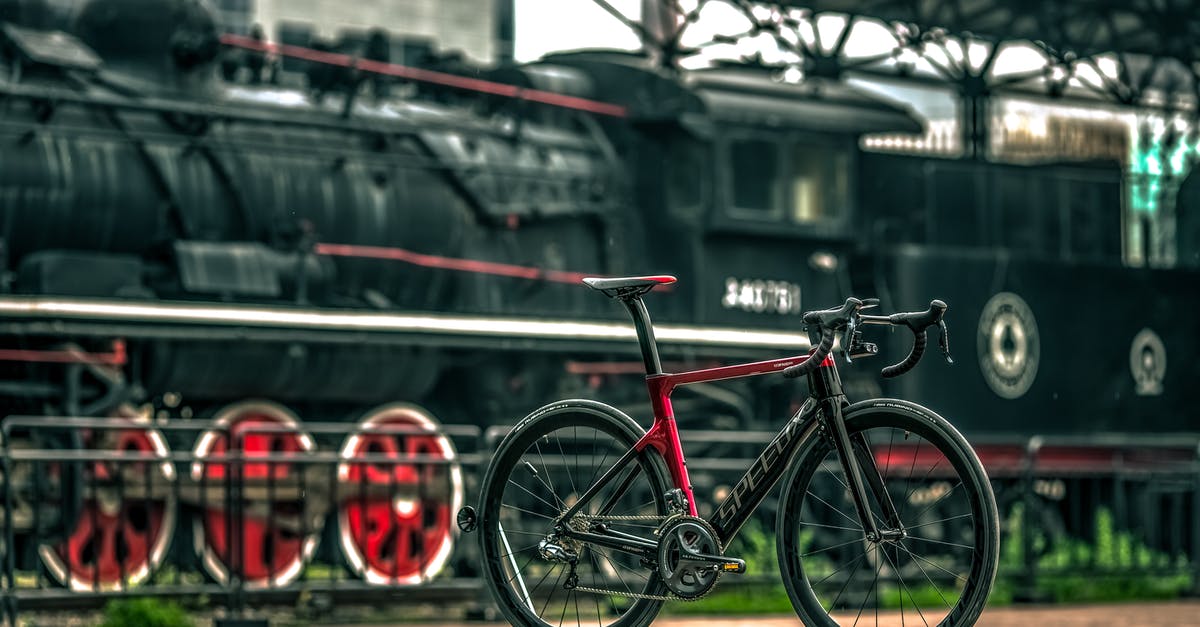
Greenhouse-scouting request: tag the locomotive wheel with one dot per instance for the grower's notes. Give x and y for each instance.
(395, 517)
(126, 523)
(269, 545)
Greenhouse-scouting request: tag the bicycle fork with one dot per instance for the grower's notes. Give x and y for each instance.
(857, 460)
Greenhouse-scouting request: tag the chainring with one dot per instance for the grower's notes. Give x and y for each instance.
(686, 578)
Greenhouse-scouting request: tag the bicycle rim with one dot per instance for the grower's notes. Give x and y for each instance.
(938, 573)
(538, 475)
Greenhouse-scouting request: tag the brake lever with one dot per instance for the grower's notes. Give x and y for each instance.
(848, 338)
(944, 341)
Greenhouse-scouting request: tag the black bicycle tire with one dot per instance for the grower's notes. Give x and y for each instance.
(577, 412)
(898, 414)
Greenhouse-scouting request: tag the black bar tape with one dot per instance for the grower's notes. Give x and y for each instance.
(914, 356)
(814, 360)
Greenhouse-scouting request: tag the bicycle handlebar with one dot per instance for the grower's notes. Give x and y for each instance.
(828, 321)
(918, 323)
(815, 359)
(847, 318)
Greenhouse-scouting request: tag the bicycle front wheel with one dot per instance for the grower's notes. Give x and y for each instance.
(938, 569)
(538, 575)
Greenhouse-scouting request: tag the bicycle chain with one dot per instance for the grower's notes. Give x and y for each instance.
(638, 595)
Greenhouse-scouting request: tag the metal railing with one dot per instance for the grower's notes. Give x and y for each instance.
(233, 524)
(273, 514)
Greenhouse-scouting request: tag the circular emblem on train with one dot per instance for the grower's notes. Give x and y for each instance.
(1009, 347)
(1148, 363)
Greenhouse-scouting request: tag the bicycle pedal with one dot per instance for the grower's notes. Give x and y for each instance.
(736, 567)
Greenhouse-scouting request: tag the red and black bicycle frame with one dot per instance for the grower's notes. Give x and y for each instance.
(825, 403)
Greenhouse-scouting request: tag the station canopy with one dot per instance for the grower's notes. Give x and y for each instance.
(1141, 53)
(1156, 28)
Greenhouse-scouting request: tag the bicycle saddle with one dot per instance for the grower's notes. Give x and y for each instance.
(622, 287)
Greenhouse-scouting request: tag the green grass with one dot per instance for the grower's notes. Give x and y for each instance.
(743, 599)
(145, 613)
(1108, 564)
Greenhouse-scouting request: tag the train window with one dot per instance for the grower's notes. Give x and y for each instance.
(818, 181)
(754, 164)
(789, 180)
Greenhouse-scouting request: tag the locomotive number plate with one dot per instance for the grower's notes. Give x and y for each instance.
(760, 296)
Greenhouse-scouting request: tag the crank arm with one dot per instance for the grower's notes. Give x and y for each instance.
(728, 564)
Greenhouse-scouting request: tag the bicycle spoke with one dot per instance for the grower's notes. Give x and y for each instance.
(596, 470)
(519, 570)
(563, 616)
(904, 586)
(926, 478)
(553, 588)
(874, 584)
(523, 510)
(891, 441)
(908, 480)
(578, 616)
(529, 533)
(849, 578)
(822, 526)
(830, 548)
(564, 457)
(526, 490)
(521, 550)
(596, 583)
(840, 512)
(874, 515)
(940, 520)
(954, 544)
(922, 569)
(538, 446)
(927, 561)
(939, 499)
(614, 567)
(596, 597)
(513, 563)
(844, 567)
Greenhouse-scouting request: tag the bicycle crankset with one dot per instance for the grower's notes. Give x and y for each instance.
(689, 557)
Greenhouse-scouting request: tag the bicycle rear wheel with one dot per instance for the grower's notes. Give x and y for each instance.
(938, 572)
(540, 470)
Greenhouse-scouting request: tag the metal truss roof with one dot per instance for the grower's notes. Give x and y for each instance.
(1142, 53)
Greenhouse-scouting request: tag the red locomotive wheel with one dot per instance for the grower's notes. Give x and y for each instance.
(126, 523)
(395, 518)
(266, 547)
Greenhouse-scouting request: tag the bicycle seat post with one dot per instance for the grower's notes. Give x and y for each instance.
(645, 332)
(629, 291)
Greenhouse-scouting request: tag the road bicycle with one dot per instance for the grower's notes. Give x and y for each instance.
(584, 518)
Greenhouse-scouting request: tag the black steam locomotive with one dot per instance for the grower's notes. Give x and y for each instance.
(178, 244)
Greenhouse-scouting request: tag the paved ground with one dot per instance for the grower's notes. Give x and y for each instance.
(1180, 613)
(1167, 614)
